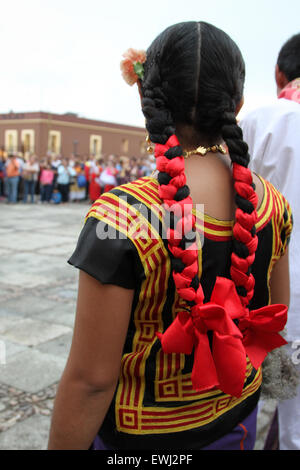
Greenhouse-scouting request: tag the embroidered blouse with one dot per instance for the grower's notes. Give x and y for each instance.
(154, 405)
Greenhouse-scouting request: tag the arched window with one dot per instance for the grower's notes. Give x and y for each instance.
(11, 140)
(27, 139)
(125, 146)
(95, 145)
(54, 142)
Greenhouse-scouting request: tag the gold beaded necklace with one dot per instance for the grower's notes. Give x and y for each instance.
(202, 151)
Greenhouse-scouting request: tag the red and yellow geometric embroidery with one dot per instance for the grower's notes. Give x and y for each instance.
(171, 385)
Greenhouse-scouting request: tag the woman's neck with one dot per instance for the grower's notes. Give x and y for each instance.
(190, 139)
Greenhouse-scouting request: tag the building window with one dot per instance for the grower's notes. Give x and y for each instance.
(125, 145)
(27, 139)
(54, 142)
(95, 145)
(11, 140)
(143, 147)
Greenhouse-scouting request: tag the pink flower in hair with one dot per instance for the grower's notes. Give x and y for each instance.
(132, 66)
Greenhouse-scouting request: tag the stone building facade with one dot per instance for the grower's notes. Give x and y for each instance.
(43, 133)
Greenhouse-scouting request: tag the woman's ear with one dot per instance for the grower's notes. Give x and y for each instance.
(239, 106)
(281, 80)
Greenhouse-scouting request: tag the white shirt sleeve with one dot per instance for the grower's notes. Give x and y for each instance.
(273, 136)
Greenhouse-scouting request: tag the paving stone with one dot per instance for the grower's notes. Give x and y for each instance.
(8, 291)
(32, 370)
(25, 224)
(63, 293)
(10, 348)
(33, 332)
(28, 271)
(3, 252)
(59, 347)
(28, 240)
(63, 314)
(27, 305)
(64, 250)
(71, 231)
(31, 434)
(61, 271)
(8, 321)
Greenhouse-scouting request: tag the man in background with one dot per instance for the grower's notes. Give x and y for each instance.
(12, 170)
(273, 135)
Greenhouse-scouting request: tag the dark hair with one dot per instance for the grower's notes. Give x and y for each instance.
(198, 72)
(194, 75)
(289, 58)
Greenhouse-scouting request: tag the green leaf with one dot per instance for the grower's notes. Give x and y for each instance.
(139, 70)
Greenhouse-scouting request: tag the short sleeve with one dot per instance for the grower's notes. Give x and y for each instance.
(107, 255)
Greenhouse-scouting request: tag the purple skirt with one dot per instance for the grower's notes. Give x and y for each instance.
(242, 437)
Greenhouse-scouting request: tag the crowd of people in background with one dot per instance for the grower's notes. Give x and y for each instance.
(56, 179)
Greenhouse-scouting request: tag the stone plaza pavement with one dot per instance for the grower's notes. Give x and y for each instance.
(38, 290)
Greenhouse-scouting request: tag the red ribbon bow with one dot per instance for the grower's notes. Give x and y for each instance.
(224, 365)
(260, 328)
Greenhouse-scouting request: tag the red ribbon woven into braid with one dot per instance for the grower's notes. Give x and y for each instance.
(244, 223)
(187, 222)
(190, 330)
(223, 366)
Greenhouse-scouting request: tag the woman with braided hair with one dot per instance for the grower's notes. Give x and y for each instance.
(178, 305)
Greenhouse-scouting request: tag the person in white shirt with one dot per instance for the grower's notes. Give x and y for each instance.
(64, 178)
(272, 133)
